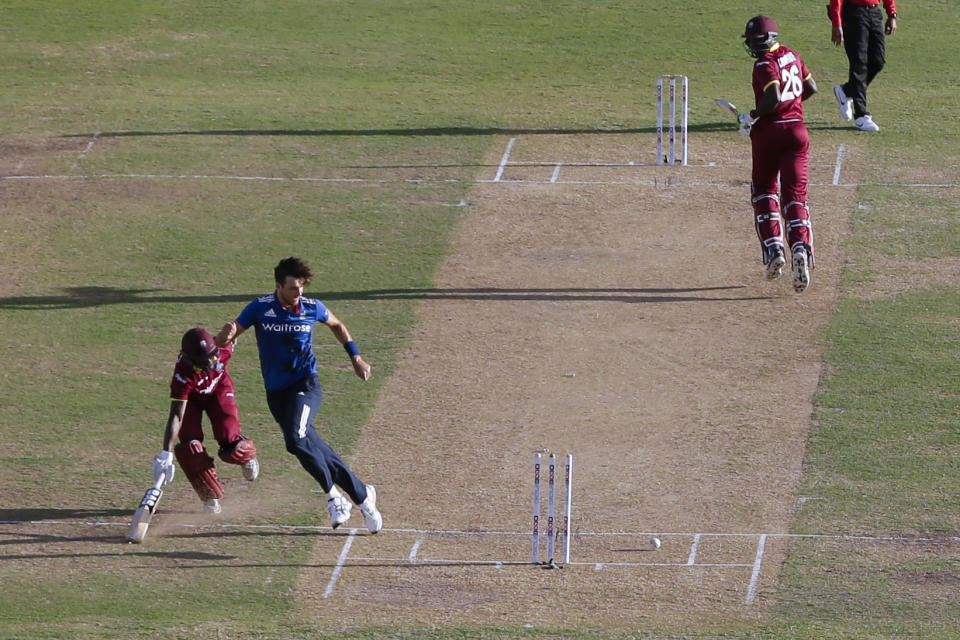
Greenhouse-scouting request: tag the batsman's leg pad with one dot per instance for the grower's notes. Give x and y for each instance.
(766, 217)
(799, 227)
(199, 469)
(240, 452)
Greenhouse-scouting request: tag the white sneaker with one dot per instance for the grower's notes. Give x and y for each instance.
(212, 506)
(774, 268)
(866, 123)
(846, 104)
(801, 270)
(369, 510)
(251, 470)
(339, 510)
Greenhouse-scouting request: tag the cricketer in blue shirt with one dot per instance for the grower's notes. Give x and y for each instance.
(283, 322)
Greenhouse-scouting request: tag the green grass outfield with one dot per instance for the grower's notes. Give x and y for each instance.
(100, 277)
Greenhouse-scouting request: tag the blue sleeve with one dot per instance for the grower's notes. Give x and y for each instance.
(323, 314)
(249, 316)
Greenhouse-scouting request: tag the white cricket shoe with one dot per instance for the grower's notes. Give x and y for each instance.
(371, 515)
(775, 262)
(846, 104)
(801, 270)
(251, 470)
(866, 123)
(339, 509)
(212, 506)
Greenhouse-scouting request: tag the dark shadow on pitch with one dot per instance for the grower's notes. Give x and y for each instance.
(83, 297)
(20, 516)
(381, 564)
(23, 538)
(313, 533)
(394, 131)
(176, 555)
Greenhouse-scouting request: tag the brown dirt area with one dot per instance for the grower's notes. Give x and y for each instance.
(618, 313)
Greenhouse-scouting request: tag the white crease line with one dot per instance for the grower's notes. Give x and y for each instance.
(414, 549)
(710, 565)
(459, 532)
(693, 549)
(628, 183)
(638, 183)
(755, 575)
(86, 149)
(359, 561)
(340, 561)
(839, 164)
(556, 172)
(504, 160)
(89, 146)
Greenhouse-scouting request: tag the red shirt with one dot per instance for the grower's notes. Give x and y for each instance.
(835, 6)
(781, 66)
(187, 380)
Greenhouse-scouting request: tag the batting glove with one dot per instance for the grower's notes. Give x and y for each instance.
(746, 123)
(163, 467)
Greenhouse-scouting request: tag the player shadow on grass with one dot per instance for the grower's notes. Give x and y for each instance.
(719, 125)
(175, 555)
(14, 515)
(81, 297)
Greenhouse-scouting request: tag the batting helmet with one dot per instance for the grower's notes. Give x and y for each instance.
(198, 348)
(760, 35)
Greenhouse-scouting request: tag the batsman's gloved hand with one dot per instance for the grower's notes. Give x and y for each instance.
(746, 123)
(163, 466)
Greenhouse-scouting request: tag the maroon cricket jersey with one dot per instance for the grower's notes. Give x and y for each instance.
(187, 380)
(782, 66)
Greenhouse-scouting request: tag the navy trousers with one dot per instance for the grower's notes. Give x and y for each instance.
(294, 408)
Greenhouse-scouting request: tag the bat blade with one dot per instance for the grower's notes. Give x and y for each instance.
(144, 513)
(727, 107)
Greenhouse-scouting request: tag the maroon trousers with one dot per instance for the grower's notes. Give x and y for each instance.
(781, 154)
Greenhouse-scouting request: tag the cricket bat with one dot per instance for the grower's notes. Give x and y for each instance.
(727, 106)
(141, 518)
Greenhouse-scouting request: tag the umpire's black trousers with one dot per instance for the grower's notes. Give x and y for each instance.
(863, 41)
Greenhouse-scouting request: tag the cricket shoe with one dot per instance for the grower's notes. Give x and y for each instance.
(371, 515)
(866, 123)
(846, 104)
(251, 469)
(339, 509)
(775, 262)
(801, 270)
(212, 506)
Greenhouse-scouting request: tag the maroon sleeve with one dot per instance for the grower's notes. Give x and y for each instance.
(182, 382)
(226, 353)
(765, 71)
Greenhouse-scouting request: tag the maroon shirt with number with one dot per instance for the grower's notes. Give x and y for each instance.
(781, 66)
(781, 151)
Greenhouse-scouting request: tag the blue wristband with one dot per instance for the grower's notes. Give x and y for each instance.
(351, 348)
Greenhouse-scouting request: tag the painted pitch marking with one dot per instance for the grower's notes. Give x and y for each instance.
(504, 160)
(629, 183)
(692, 559)
(755, 574)
(415, 549)
(839, 164)
(340, 563)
